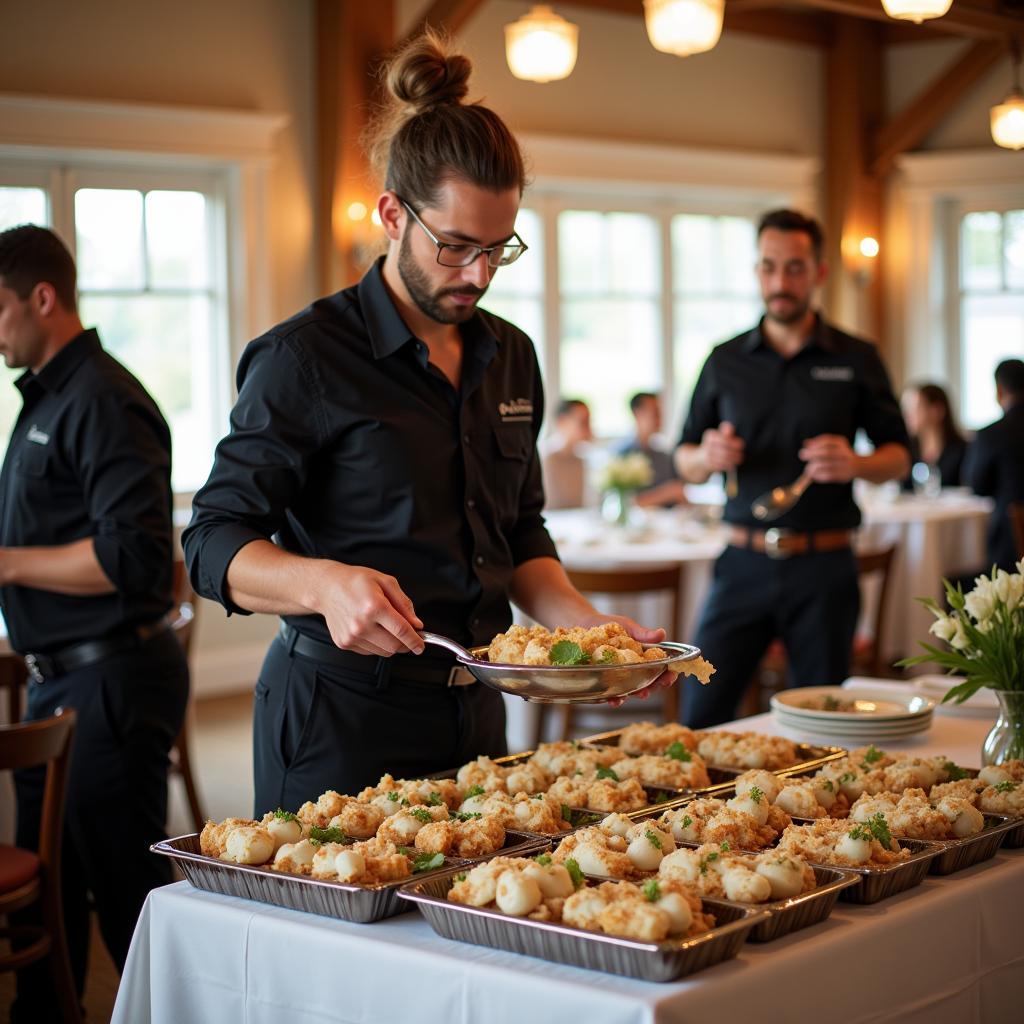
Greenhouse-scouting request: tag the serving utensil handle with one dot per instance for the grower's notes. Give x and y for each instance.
(446, 642)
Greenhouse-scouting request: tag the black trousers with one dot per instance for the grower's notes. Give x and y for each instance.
(317, 727)
(809, 601)
(129, 712)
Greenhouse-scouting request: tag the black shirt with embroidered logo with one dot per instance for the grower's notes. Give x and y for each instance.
(836, 384)
(89, 456)
(347, 444)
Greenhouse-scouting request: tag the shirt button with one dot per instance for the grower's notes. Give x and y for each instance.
(470, 503)
(479, 559)
(465, 438)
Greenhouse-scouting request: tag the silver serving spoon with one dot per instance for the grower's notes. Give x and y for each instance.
(778, 500)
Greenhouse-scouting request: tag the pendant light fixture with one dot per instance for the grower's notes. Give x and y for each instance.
(541, 46)
(683, 27)
(916, 10)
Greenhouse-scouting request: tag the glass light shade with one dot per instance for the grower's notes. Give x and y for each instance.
(916, 10)
(683, 27)
(541, 46)
(1007, 119)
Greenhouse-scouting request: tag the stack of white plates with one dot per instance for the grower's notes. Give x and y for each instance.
(858, 714)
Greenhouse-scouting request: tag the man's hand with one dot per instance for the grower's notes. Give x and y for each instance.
(366, 611)
(830, 459)
(721, 449)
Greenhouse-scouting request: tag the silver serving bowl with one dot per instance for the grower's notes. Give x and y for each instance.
(567, 684)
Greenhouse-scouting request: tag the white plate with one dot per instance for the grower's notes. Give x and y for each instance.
(877, 706)
(983, 704)
(860, 734)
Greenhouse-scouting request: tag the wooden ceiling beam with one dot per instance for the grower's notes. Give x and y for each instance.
(908, 128)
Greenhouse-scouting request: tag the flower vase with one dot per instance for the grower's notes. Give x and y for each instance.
(1005, 741)
(615, 506)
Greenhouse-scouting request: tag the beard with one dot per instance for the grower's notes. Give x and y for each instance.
(427, 301)
(796, 312)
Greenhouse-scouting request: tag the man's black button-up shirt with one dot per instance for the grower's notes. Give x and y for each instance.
(89, 456)
(836, 384)
(347, 444)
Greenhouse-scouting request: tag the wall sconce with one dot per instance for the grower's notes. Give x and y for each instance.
(361, 231)
(541, 46)
(683, 27)
(868, 247)
(916, 10)
(1007, 118)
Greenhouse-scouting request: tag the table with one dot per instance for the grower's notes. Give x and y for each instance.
(950, 951)
(935, 537)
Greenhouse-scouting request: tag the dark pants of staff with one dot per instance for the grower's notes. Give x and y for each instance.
(318, 727)
(129, 711)
(809, 601)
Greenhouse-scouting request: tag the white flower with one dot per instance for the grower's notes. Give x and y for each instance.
(959, 639)
(944, 627)
(981, 601)
(1008, 588)
(627, 472)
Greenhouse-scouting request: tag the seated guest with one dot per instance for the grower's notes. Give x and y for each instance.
(934, 437)
(562, 465)
(666, 489)
(995, 463)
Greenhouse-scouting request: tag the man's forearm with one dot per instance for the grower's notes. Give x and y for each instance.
(690, 464)
(71, 569)
(541, 588)
(263, 578)
(888, 462)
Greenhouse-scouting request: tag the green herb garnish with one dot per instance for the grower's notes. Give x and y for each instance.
(544, 859)
(284, 815)
(678, 752)
(859, 832)
(327, 835)
(652, 891)
(574, 872)
(475, 791)
(434, 800)
(465, 815)
(847, 777)
(427, 862)
(565, 652)
(755, 794)
(1006, 787)
(653, 838)
(827, 784)
(460, 877)
(404, 802)
(871, 755)
(393, 796)
(606, 773)
(880, 829)
(687, 822)
(713, 855)
(954, 771)
(661, 797)
(609, 658)
(421, 814)
(537, 796)
(725, 847)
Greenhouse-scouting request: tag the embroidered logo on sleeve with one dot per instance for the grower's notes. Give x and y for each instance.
(516, 410)
(841, 373)
(37, 436)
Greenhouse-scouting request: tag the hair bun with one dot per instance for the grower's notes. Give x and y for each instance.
(426, 74)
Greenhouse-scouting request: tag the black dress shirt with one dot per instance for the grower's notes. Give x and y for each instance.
(836, 384)
(950, 463)
(89, 456)
(994, 466)
(347, 444)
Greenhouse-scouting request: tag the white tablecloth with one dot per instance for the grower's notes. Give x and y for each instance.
(935, 537)
(951, 951)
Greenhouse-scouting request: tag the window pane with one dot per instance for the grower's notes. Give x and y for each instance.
(602, 253)
(108, 223)
(992, 330)
(22, 206)
(177, 241)
(167, 343)
(610, 349)
(526, 275)
(525, 312)
(982, 251)
(1013, 228)
(713, 255)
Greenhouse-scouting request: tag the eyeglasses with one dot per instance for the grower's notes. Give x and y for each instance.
(462, 254)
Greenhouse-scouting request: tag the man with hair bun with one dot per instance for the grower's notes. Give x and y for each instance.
(381, 474)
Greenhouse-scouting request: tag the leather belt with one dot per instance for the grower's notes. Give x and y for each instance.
(782, 543)
(415, 668)
(42, 667)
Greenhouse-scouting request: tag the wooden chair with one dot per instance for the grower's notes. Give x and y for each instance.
(28, 877)
(183, 625)
(866, 657)
(624, 581)
(1017, 522)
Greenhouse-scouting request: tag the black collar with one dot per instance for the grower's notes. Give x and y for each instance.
(55, 374)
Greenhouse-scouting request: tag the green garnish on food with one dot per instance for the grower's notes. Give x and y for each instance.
(427, 862)
(609, 658)
(827, 784)
(678, 752)
(421, 814)
(544, 859)
(574, 872)
(876, 826)
(393, 796)
(755, 794)
(713, 855)
(404, 802)
(1006, 787)
(652, 891)
(706, 861)
(954, 771)
(284, 815)
(465, 815)
(847, 777)
(434, 800)
(871, 755)
(460, 877)
(327, 835)
(475, 791)
(537, 796)
(859, 832)
(653, 838)
(661, 797)
(606, 773)
(686, 822)
(725, 847)
(565, 652)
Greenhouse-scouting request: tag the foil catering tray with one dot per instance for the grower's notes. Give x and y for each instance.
(563, 944)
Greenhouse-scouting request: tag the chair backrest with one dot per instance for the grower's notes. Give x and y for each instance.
(185, 604)
(1017, 522)
(869, 563)
(48, 742)
(13, 678)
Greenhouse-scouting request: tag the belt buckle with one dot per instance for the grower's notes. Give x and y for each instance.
(773, 539)
(460, 676)
(32, 664)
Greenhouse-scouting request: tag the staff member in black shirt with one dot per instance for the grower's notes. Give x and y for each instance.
(85, 583)
(386, 437)
(784, 399)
